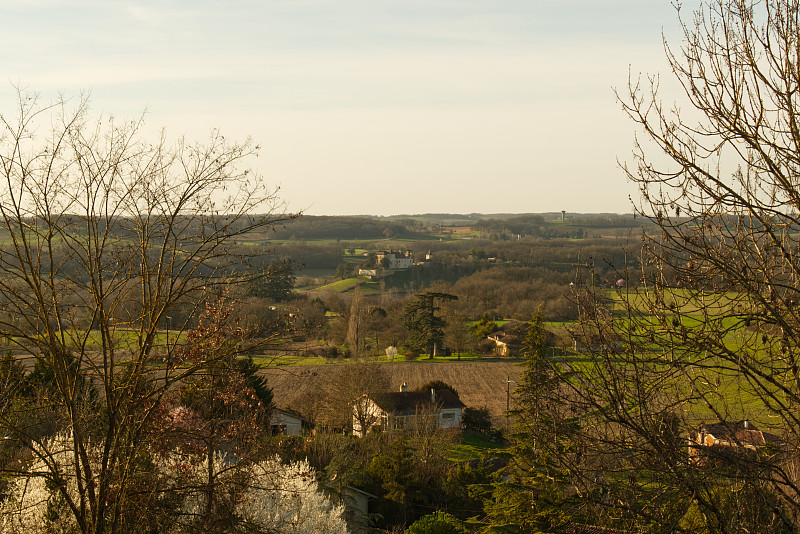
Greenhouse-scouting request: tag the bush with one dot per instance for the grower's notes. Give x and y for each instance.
(477, 419)
(411, 355)
(437, 523)
(438, 384)
(487, 346)
(484, 326)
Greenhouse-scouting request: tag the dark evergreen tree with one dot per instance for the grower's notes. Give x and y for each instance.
(533, 496)
(425, 327)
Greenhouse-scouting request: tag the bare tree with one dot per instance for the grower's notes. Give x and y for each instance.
(105, 234)
(355, 381)
(356, 327)
(708, 329)
(457, 335)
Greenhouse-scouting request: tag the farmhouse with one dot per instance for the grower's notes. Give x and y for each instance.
(508, 341)
(401, 410)
(505, 344)
(715, 441)
(395, 261)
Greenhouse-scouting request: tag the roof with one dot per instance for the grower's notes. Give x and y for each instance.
(502, 337)
(741, 431)
(354, 489)
(515, 327)
(408, 401)
(276, 411)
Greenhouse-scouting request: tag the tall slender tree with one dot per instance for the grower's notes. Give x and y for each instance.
(356, 322)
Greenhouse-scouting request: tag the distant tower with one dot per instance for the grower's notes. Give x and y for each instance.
(563, 213)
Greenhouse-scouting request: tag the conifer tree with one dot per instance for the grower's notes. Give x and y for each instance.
(533, 496)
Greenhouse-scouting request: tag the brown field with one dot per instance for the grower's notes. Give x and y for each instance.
(479, 384)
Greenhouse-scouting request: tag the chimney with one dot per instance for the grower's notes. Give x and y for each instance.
(433, 396)
(404, 386)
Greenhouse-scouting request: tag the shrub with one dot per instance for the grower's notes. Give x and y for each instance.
(487, 346)
(437, 523)
(438, 384)
(484, 326)
(477, 419)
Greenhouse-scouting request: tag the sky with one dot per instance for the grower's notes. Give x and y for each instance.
(378, 107)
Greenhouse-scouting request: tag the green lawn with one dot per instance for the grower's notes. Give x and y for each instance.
(123, 337)
(348, 284)
(474, 446)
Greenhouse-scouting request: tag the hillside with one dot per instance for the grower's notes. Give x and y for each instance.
(479, 384)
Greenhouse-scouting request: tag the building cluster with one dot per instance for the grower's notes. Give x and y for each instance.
(390, 261)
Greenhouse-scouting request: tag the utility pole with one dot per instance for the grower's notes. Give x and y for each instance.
(508, 393)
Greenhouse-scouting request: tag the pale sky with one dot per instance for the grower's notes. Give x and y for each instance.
(367, 106)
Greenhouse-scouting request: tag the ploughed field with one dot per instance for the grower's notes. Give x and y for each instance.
(479, 384)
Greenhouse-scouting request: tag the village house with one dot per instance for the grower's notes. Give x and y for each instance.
(509, 340)
(283, 422)
(715, 441)
(395, 261)
(401, 410)
(389, 261)
(505, 344)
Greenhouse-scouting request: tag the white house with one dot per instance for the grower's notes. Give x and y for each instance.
(400, 410)
(283, 422)
(395, 261)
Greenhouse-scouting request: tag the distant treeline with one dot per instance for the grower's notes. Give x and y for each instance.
(346, 228)
(573, 226)
(353, 228)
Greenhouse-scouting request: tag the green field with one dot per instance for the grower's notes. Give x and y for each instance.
(348, 284)
(474, 446)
